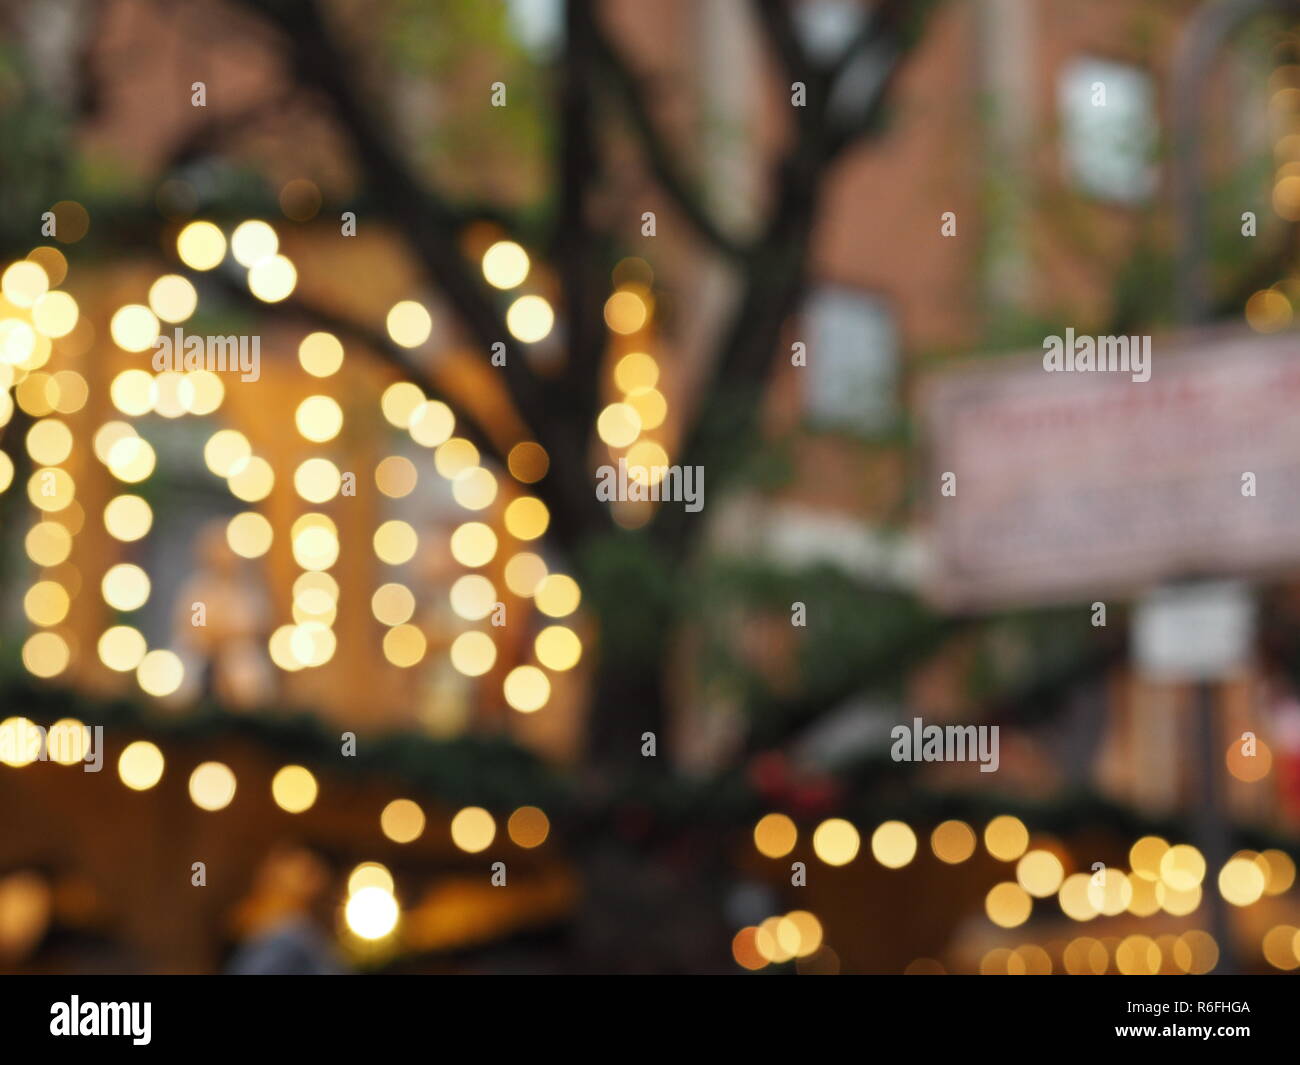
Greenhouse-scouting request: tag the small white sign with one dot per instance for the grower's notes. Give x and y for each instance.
(1193, 632)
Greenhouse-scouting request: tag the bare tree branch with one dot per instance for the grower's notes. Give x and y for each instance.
(431, 229)
(658, 155)
(576, 249)
(783, 36)
(723, 426)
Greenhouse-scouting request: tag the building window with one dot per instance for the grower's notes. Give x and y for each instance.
(538, 25)
(851, 375)
(826, 26)
(1108, 129)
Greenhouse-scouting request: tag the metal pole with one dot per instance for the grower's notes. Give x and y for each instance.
(1210, 823)
(1207, 32)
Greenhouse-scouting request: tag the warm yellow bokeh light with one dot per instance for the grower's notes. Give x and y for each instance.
(392, 604)
(402, 821)
(272, 280)
(320, 354)
(530, 319)
(315, 542)
(1281, 872)
(318, 418)
(836, 842)
(226, 452)
(68, 741)
(1176, 902)
(1008, 905)
(51, 489)
(473, 829)
(212, 786)
(317, 480)
(1006, 838)
(528, 462)
(48, 543)
(528, 827)
(249, 534)
(1268, 311)
(400, 402)
(473, 544)
(618, 424)
(524, 572)
(160, 673)
(49, 441)
(125, 586)
(370, 874)
(404, 646)
(371, 913)
(46, 603)
(121, 648)
(557, 596)
(132, 392)
(474, 488)
(172, 298)
(472, 597)
(140, 765)
(775, 835)
(647, 462)
(1279, 947)
(201, 245)
(1137, 955)
(893, 844)
(128, 518)
(133, 327)
(396, 476)
(1145, 855)
(1241, 882)
(55, 314)
(294, 789)
(527, 518)
(46, 654)
(557, 648)
(23, 283)
(505, 264)
(526, 689)
(20, 742)
(650, 405)
(636, 370)
(431, 423)
(409, 324)
(252, 242)
(395, 542)
(131, 459)
(1110, 891)
(473, 653)
(1040, 872)
(254, 481)
(626, 312)
(1182, 867)
(952, 842)
(454, 457)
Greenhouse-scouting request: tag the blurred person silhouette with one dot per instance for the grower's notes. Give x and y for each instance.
(231, 641)
(280, 921)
